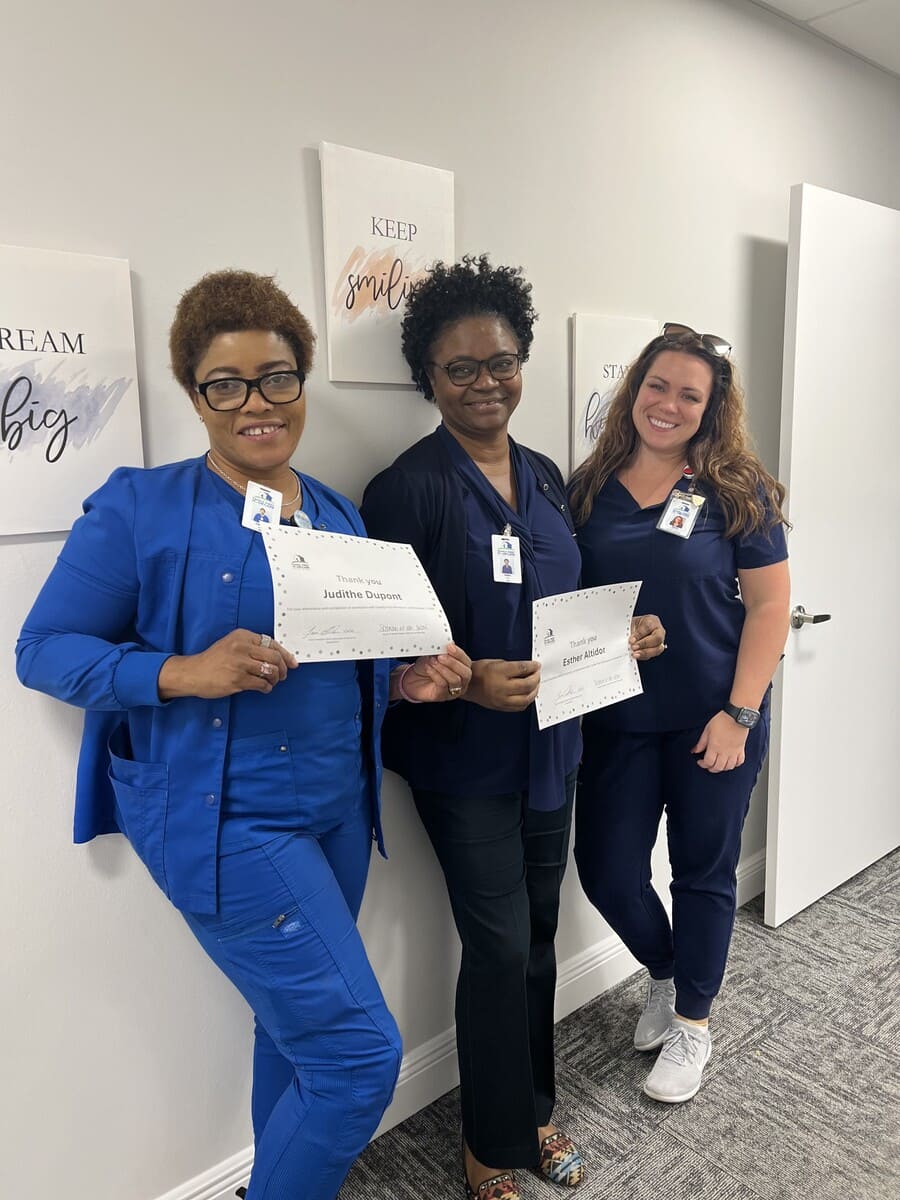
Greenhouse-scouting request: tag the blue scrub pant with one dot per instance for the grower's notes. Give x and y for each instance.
(626, 782)
(327, 1051)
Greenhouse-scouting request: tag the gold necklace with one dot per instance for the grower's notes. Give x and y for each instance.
(242, 487)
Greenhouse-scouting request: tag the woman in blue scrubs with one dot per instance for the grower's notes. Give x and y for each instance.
(673, 495)
(489, 520)
(248, 786)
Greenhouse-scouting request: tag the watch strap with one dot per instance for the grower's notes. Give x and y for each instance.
(737, 713)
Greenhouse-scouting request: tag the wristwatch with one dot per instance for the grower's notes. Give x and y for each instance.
(747, 717)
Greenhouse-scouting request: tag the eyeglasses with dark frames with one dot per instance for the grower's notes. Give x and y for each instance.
(711, 341)
(463, 371)
(233, 392)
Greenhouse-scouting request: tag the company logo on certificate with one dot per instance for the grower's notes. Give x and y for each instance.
(68, 384)
(343, 597)
(385, 221)
(581, 641)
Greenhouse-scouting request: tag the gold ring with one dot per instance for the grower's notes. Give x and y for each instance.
(454, 691)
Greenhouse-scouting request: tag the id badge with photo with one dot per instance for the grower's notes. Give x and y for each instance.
(506, 558)
(681, 513)
(262, 507)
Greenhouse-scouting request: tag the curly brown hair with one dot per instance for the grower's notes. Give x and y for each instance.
(227, 302)
(720, 452)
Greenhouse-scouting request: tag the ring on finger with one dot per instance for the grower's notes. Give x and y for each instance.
(266, 668)
(454, 691)
(265, 641)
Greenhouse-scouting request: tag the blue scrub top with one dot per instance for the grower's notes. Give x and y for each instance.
(691, 584)
(500, 752)
(294, 758)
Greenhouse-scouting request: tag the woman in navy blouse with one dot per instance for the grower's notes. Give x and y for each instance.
(490, 522)
(674, 496)
(249, 787)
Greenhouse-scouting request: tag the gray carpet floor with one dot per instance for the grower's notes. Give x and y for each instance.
(800, 1100)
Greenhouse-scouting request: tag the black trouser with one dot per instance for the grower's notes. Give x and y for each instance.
(504, 865)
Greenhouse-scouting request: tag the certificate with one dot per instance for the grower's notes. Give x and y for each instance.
(581, 641)
(344, 597)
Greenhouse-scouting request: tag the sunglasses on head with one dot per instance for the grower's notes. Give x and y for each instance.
(711, 341)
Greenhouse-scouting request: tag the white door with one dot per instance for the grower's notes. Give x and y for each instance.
(834, 781)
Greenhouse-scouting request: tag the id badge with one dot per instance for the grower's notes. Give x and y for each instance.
(262, 507)
(507, 560)
(681, 513)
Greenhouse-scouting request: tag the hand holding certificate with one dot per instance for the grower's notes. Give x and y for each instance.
(343, 597)
(581, 641)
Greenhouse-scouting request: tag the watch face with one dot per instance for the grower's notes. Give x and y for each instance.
(748, 717)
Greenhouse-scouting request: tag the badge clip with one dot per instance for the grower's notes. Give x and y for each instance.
(506, 557)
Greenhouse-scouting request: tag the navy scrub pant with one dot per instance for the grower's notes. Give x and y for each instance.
(504, 864)
(327, 1051)
(627, 781)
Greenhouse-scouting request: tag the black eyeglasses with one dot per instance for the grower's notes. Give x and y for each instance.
(463, 371)
(232, 393)
(712, 342)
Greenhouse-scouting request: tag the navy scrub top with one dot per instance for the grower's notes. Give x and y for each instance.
(691, 584)
(500, 752)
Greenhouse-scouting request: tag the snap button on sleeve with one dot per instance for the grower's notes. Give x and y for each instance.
(227, 576)
(217, 722)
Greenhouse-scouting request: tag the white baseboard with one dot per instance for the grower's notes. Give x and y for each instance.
(751, 876)
(427, 1072)
(430, 1070)
(219, 1182)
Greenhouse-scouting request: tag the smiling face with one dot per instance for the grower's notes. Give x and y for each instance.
(480, 410)
(255, 442)
(671, 401)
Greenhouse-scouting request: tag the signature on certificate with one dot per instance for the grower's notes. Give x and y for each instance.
(327, 631)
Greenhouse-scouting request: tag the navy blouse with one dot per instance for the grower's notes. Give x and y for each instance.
(691, 584)
(500, 752)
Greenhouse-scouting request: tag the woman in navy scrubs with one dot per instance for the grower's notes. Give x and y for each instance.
(674, 496)
(490, 522)
(248, 787)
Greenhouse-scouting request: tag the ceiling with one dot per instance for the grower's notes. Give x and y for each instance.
(867, 28)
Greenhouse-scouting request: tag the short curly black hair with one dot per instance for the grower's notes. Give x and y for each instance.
(469, 288)
(228, 302)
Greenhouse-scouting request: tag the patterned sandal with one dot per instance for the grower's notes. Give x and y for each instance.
(498, 1187)
(561, 1160)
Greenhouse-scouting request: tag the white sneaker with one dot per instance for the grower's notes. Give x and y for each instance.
(659, 1009)
(678, 1070)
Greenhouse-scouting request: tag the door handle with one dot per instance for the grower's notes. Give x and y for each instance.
(800, 617)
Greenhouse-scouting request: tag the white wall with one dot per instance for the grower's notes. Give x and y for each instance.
(634, 157)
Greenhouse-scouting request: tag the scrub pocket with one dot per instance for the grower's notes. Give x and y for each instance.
(260, 796)
(142, 802)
